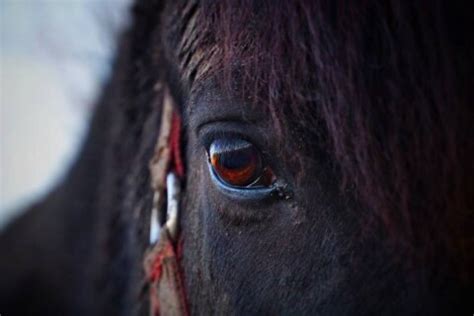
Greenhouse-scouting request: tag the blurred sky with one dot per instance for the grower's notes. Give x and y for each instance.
(55, 54)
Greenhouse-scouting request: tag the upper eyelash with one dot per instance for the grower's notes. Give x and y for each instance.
(211, 136)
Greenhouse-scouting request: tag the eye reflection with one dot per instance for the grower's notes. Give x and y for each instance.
(238, 163)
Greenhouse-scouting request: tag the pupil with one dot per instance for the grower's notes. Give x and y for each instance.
(238, 159)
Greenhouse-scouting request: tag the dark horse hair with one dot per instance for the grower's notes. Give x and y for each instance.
(384, 89)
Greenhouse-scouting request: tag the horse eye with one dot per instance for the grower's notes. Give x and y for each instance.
(238, 163)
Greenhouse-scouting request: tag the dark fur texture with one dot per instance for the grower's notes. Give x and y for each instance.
(365, 110)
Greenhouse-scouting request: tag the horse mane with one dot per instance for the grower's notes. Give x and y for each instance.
(385, 88)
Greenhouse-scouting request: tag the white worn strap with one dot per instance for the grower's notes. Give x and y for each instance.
(159, 165)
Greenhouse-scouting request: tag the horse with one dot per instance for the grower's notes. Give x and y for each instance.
(327, 153)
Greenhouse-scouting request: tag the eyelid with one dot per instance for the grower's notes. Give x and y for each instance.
(235, 192)
(209, 132)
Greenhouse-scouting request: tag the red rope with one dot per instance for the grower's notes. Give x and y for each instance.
(156, 272)
(156, 269)
(175, 144)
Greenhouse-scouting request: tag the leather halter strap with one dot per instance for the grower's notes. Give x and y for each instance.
(161, 261)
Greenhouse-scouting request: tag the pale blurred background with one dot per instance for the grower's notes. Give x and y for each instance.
(55, 56)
